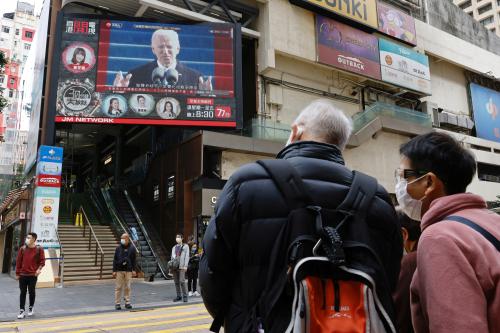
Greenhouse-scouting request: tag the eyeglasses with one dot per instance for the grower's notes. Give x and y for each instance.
(407, 173)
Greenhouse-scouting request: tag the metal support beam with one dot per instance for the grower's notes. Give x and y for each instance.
(141, 11)
(185, 13)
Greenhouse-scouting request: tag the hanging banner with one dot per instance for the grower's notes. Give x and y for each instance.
(404, 67)
(361, 11)
(397, 24)
(347, 48)
(47, 194)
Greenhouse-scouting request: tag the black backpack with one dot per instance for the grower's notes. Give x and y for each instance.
(323, 270)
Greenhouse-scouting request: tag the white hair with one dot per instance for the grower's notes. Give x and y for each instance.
(323, 121)
(169, 34)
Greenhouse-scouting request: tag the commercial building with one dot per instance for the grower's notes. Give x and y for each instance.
(17, 30)
(398, 68)
(486, 12)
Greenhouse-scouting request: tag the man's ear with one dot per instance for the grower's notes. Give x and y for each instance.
(405, 234)
(434, 184)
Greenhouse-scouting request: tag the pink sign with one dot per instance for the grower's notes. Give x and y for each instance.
(395, 23)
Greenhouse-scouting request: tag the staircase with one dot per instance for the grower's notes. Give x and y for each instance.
(79, 262)
(147, 260)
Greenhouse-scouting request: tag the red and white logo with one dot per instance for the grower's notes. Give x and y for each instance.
(49, 181)
(223, 111)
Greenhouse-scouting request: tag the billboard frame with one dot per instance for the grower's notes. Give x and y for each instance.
(196, 124)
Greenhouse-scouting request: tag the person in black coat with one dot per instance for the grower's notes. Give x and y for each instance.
(124, 268)
(250, 212)
(165, 46)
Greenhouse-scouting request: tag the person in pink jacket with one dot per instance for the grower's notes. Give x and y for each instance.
(456, 287)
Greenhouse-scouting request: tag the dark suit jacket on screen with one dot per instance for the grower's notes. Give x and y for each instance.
(142, 75)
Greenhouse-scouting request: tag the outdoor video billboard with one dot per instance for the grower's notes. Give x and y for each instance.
(136, 72)
(486, 104)
(395, 23)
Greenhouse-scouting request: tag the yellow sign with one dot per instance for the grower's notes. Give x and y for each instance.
(362, 11)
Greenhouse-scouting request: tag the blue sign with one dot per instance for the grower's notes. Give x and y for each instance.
(486, 104)
(50, 154)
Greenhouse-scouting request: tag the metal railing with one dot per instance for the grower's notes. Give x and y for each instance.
(92, 234)
(117, 223)
(144, 232)
(61, 260)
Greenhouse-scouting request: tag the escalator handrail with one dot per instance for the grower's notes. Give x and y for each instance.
(144, 232)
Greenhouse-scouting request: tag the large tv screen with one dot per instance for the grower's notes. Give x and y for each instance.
(136, 72)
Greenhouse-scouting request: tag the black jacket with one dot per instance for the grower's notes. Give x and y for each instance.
(249, 214)
(125, 258)
(142, 75)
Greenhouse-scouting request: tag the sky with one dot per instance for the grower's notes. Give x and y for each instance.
(10, 5)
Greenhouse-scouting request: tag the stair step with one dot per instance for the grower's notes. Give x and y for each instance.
(87, 278)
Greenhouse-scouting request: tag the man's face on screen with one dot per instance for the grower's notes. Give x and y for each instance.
(165, 50)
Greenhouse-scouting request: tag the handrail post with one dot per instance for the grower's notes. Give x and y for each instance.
(95, 254)
(102, 263)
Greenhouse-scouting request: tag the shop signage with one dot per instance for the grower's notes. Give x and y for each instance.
(362, 11)
(347, 48)
(395, 23)
(404, 67)
(486, 107)
(12, 215)
(47, 193)
(115, 72)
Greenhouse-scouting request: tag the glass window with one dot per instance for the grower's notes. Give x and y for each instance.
(12, 81)
(11, 93)
(5, 29)
(17, 32)
(487, 20)
(28, 34)
(485, 9)
(27, 46)
(2, 78)
(466, 4)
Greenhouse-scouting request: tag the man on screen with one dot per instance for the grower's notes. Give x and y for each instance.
(166, 70)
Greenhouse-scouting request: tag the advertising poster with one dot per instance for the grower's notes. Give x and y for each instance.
(347, 48)
(361, 11)
(486, 106)
(395, 23)
(404, 67)
(47, 193)
(135, 72)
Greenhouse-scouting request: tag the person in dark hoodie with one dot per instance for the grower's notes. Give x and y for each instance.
(410, 229)
(124, 265)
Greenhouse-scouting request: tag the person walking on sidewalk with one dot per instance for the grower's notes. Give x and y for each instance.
(192, 271)
(29, 263)
(124, 264)
(180, 253)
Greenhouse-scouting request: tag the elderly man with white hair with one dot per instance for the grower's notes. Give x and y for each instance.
(165, 69)
(252, 209)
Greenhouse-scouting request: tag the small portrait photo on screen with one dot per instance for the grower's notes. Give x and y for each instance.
(78, 57)
(114, 106)
(141, 104)
(168, 108)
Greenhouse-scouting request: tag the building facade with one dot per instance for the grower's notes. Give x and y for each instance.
(17, 31)
(486, 12)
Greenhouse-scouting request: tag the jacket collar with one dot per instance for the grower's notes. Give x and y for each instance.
(312, 149)
(449, 205)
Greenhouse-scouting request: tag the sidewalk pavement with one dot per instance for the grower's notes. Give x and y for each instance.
(85, 299)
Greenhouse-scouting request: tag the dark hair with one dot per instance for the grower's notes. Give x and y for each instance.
(111, 102)
(439, 153)
(412, 226)
(179, 235)
(34, 235)
(75, 52)
(171, 107)
(139, 97)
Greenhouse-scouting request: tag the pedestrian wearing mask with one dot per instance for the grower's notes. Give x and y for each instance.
(456, 287)
(192, 272)
(124, 265)
(180, 254)
(29, 264)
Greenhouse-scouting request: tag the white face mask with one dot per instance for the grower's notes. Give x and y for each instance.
(122, 241)
(178, 240)
(411, 207)
(27, 241)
